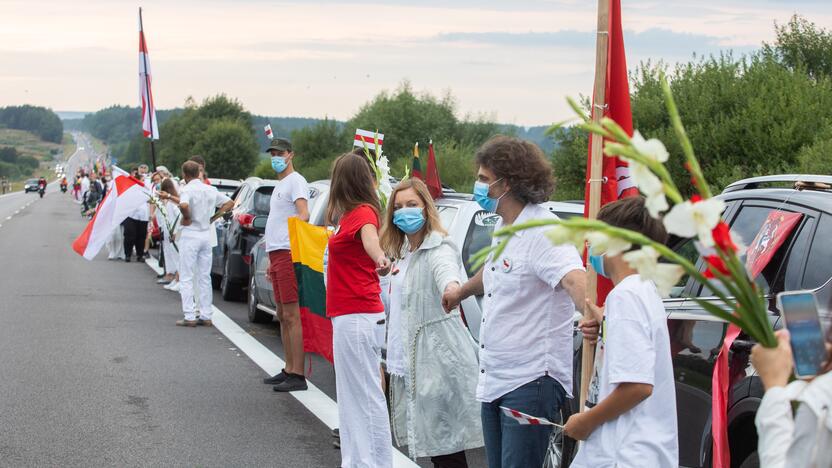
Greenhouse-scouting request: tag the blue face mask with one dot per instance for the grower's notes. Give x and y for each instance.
(409, 220)
(597, 262)
(279, 164)
(481, 196)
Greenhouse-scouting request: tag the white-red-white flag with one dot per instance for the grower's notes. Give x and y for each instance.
(368, 137)
(525, 419)
(150, 127)
(268, 129)
(126, 196)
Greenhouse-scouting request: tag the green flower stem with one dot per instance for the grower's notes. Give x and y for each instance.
(754, 299)
(687, 147)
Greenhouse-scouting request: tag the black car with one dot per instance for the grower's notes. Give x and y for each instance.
(804, 261)
(236, 236)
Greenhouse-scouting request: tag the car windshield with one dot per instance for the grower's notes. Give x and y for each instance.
(32, 181)
(262, 198)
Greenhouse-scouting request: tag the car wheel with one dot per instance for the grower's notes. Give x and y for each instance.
(228, 290)
(255, 315)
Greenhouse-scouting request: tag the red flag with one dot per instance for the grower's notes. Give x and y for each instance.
(617, 183)
(150, 127)
(432, 175)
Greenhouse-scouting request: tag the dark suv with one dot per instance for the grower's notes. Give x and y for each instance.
(236, 236)
(804, 261)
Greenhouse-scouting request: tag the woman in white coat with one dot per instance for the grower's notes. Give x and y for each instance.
(431, 357)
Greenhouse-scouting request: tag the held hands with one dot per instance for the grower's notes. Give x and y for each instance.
(578, 426)
(451, 297)
(451, 291)
(774, 365)
(383, 265)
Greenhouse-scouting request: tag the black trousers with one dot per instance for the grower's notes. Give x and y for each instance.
(135, 232)
(453, 460)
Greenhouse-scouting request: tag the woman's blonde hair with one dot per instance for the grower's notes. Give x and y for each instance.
(392, 238)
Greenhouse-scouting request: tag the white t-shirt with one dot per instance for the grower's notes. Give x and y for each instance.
(396, 364)
(636, 350)
(527, 315)
(202, 200)
(282, 207)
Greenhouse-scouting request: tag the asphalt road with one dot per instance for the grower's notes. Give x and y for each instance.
(94, 372)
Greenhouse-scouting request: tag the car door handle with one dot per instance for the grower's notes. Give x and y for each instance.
(742, 346)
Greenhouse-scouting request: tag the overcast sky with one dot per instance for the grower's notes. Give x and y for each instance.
(511, 60)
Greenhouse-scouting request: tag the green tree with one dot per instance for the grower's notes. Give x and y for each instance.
(39, 120)
(229, 149)
(802, 45)
(322, 141)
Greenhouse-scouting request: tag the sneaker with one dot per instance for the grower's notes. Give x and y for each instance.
(127, 260)
(204, 323)
(186, 323)
(292, 383)
(277, 378)
(337, 443)
(173, 286)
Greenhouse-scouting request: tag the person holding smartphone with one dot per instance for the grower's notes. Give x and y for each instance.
(787, 438)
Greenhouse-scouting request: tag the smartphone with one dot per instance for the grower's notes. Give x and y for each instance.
(799, 310)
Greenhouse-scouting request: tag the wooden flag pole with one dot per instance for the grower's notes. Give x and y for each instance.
(596, 166)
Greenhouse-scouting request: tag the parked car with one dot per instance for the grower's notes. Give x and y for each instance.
(236, 235)
(31, 185)
(225, 186)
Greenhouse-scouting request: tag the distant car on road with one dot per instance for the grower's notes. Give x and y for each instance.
(31, 185)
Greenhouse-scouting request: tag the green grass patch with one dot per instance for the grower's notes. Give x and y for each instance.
(68, 145)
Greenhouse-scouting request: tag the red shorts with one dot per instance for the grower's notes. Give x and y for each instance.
(282, 275)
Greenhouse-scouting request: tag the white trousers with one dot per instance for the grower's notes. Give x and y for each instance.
(115, 244)
(171, 256)
(362, 409)
(195, 272)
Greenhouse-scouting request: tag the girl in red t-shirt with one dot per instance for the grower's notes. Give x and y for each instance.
(353, 302)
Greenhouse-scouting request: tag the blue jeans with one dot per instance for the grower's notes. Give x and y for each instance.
(511, 445)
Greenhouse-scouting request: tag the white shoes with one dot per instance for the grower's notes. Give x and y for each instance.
(173, 286)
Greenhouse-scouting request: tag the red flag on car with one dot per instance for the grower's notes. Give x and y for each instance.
(617, 183)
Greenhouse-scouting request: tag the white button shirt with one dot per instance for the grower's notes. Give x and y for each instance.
(526, 329)
(202, 200)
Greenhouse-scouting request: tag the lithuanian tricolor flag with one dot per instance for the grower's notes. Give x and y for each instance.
(308, 243)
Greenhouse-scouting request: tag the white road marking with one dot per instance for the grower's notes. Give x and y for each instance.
(316, 401)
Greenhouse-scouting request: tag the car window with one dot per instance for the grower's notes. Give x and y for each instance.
(819, 265)
(262, 199)
(241, 196)
(747, 224)
(447, 214)
(687, 249)
(478, 237)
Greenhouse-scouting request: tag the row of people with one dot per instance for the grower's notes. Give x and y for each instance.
(446, 390)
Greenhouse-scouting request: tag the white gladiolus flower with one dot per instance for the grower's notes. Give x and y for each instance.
(652, 148)
(603, 244)
(667, 276)
(644, 261)
(651, 186)
(561, 235)
(695, 219)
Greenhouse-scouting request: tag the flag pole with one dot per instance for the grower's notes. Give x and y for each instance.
(149, 93)
(595, 178)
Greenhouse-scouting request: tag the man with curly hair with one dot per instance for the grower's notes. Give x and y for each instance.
(529, 294)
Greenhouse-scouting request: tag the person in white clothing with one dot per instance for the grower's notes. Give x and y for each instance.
(530, 294)
(789, 438)
(634, 422)
(197, 202)
(169, 222)
(289, 199)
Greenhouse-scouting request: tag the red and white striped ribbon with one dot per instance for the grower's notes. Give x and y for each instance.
(524, 418)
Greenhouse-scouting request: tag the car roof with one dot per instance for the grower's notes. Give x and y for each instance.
(814, 199)
(226, 182)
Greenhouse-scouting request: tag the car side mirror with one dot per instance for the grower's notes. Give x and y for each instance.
(259, 223)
